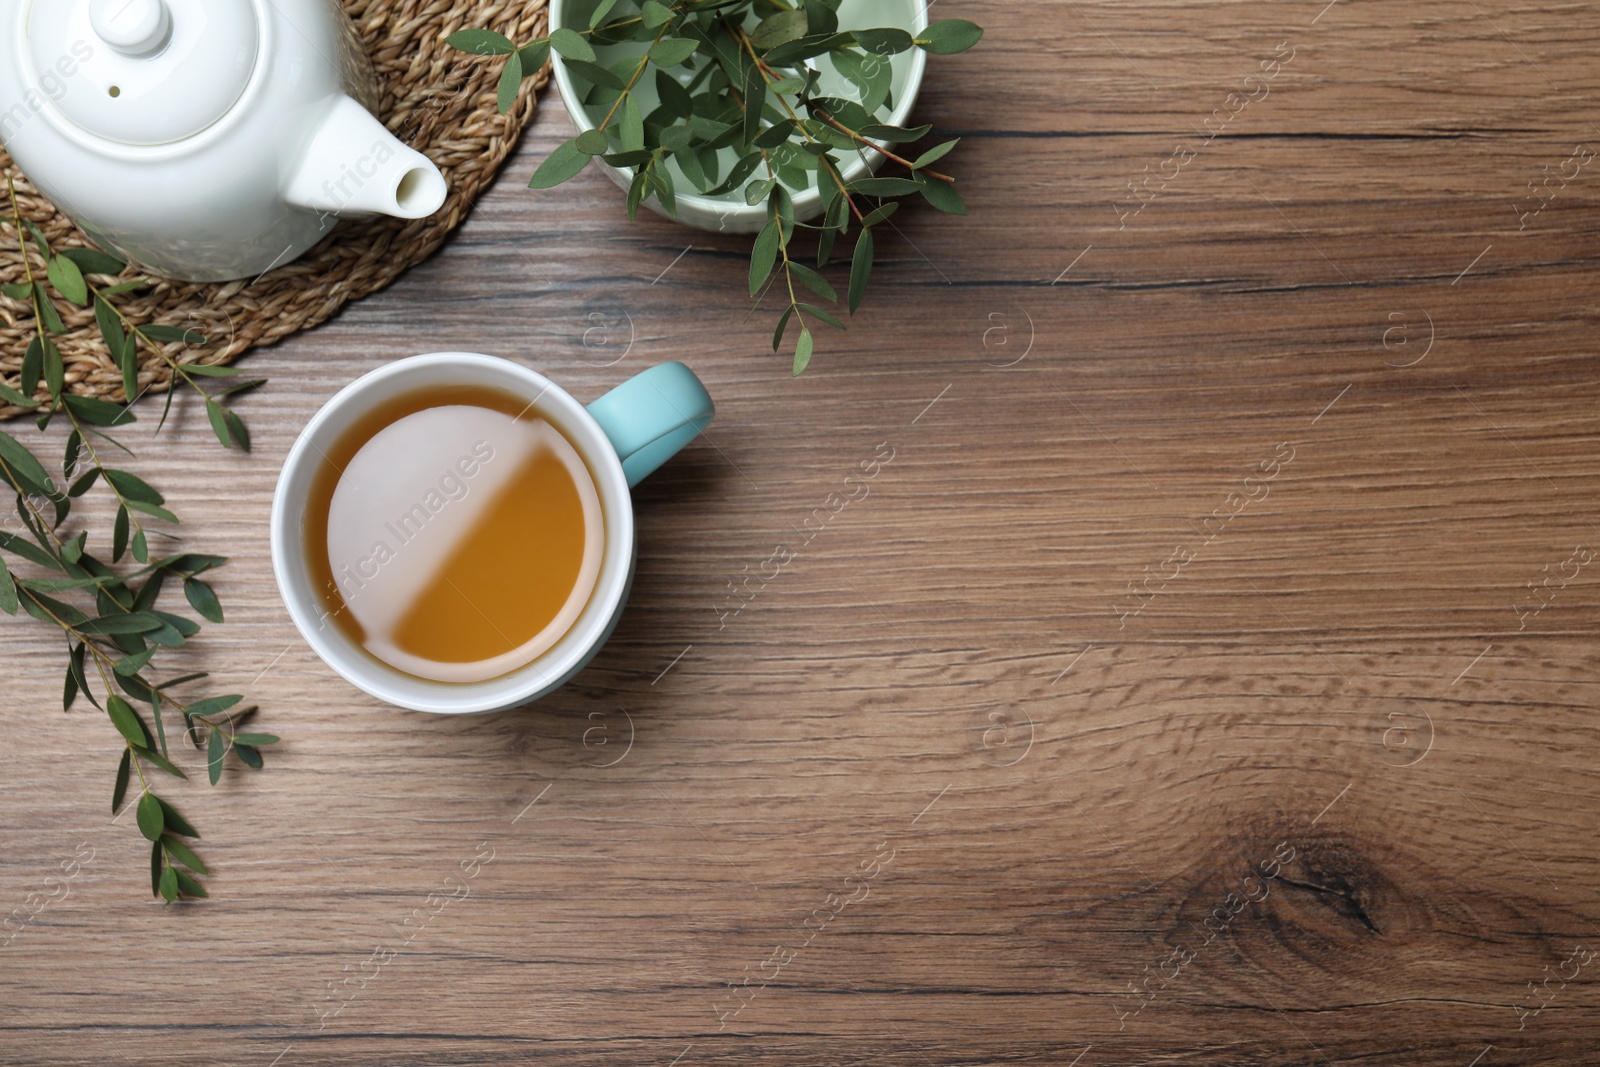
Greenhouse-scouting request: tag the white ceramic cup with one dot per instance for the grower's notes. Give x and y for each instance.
(622, 437)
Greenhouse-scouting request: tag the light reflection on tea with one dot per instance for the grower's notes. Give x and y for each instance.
(456, 536)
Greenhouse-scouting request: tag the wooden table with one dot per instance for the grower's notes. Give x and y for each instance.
(1206, 675)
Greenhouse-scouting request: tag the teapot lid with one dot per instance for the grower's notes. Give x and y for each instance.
(143, 72)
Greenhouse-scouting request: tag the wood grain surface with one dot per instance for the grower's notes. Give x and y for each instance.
(1202, 676)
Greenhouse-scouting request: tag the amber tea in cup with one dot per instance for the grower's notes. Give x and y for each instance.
(454, 534)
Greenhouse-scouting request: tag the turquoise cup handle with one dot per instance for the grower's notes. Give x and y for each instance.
(652, 415)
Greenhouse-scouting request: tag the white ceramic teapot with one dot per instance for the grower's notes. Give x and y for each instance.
(206, 140)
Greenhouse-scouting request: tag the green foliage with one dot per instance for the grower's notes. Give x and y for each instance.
(114, 629)
(739, 78)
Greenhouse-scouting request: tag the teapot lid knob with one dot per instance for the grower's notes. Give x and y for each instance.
(132, 27)
(141, 72)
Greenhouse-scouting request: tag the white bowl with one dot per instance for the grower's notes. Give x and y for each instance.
(729, 213)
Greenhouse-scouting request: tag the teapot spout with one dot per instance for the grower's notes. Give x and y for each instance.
(353, 167)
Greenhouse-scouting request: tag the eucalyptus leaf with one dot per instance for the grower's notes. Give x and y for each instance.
(510, 82)
(672, 51)
(151, 756)
(186, 627)
(673, 96)
(216, 748)
(884, 186)
(55, 368)
(94, 261)
(174, 335)
(823, 15)
(780, 28)
(127, 360)
(75, 668)
(826, 316)
(803, 351)
(534, 57)
(209, 370)
(860, 269)
(135, 688)
(481, 42)
(813, 281)
(571, 45)
(97, 412)
(742, 169)
(187, 886)
(776, 134)
(236, 431)
(126, 720)
(592, 143)
(562, 164)
(133, 488)
(256, 740)
(174, 822)
(765, 255)
(883, 42)
(12, 396)
(756, 192)
(136, 662)
(28, 551)
(656, 15)
(67, 280)
(151, 821)
(32, 366)
(783, 325)
(631, 127)
(808, 47)
(662, 182)
(219, 425)
(214, 705)
(181, 852)
(169, 884)
(755, 95)
(203, 599)
(880, 213)
(933, 155)
(8, 590)
(895, 134)
(22, 469)
(693, 169)
(676, 138)
(636, 193)
(949, 36)
(121, 624)
(120, 790)
(942, 195)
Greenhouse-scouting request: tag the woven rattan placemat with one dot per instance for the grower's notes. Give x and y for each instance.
(435, 99)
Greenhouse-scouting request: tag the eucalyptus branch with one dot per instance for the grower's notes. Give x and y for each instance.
(638, 71)
(126, 516)
(124, 629)
(876, 147)
(718, 67)
(770, 77)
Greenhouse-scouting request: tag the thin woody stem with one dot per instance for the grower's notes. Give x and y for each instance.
(854, 136)
(749, 46)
